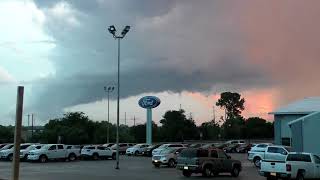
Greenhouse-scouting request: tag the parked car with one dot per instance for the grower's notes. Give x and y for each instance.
(210, 145)
(7, 146)
(271, 153)
(2, 145)
(7, 154)
(24, 151)
(166, 157)
(53, 152)
(231, 148)
(296, 166)
(165, 146)
(208, 162)
(136, 149)
(122, 147)
(235, 142)
(148, 151)
(195, 145)
(260, 147)
(108, 145)
(96, 152)
(243, 148)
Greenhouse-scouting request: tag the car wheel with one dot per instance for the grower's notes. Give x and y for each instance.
(114, 156)
(72, 157)
(10, 157)
(207, 171)
(95, 156)
(257, 161)
(136, 153)
(172, 163)
(300, 176)
(43, 159)
(235, 172)
(186, 173)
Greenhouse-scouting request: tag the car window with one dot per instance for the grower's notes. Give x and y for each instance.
(214, 154)
(261, 146)
(69, 147)
(282, 151)
(203, 153)
(122, 145)
(38, 147)
(24, 146)
(101, 148)
(273, 150)
(241, 141)
(299, 157)
(53, 147)
(316, 159)
(60, 147)
(189, 153)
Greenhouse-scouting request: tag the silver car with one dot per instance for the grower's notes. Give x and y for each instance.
(166, 157)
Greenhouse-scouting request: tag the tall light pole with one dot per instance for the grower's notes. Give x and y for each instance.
(108, 90)
(113, 30)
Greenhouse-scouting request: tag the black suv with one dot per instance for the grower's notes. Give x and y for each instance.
(209, 162)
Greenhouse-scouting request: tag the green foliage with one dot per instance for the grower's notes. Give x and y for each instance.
(210, 130)
(232, 103)
(256, 127)
(6, 134)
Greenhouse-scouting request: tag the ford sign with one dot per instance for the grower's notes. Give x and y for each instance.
(149, 102)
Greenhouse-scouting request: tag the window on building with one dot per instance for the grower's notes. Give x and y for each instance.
(286, 141)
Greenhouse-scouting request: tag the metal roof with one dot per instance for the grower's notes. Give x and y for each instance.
(303, 118)
(304, 106)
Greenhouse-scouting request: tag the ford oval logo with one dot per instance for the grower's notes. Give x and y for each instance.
(149, 102)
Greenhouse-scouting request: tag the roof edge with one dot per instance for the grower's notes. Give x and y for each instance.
(302, 118)
(291, 113)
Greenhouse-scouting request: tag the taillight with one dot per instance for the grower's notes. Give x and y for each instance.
(288, 167)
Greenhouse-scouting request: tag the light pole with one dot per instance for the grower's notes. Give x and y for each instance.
(108, 90)
(113, 30)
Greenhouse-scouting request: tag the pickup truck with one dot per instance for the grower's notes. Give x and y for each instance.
(271, 153)
(53, 152)
(211, 161)
(296, 166)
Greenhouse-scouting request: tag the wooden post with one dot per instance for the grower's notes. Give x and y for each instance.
(17, 134)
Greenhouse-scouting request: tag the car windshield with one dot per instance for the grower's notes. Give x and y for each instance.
(189, 153)
(299, 157)
(137, 146)
(24, 146)
(45, 146)
(167, 151)
(163, 146)
(9, 146)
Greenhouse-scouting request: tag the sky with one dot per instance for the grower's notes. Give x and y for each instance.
(182, 51)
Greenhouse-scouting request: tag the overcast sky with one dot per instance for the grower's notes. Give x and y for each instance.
(183, 51)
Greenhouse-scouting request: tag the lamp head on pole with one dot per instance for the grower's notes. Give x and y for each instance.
(125, 31)
(112, 30)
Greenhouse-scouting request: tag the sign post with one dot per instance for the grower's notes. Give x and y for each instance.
(149, 102)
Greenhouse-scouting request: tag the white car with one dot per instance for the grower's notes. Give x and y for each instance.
(271, 153)
(122, 147)
(136, 149)
(296, 166)
(7, 153)
(53, 152)
(166, 157)
(260, 147)
(96, 152)
(24, 151)
(165, 146)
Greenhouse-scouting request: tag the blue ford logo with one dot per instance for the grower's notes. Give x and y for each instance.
(149, 102)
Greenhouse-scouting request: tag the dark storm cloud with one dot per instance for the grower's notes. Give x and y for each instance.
(173, 46)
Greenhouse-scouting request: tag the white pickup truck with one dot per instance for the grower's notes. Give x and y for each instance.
(52, 152)
(296, 166)
(271, 153)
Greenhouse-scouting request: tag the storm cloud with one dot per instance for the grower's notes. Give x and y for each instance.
(173, 46)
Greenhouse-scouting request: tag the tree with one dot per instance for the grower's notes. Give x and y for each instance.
(233, 128)
(232, 103)
(210, 130)
(256, 127)
(176, 127)
(6, 134)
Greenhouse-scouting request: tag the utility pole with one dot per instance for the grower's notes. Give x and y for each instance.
(17, 134)
(32, 126)
(108, 90)
(134, 121)
(28, 121)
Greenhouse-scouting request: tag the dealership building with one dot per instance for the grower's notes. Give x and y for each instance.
(298, 125)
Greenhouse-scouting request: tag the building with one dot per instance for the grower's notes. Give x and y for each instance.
(293, 114)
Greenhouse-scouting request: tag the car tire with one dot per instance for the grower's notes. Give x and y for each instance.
(300, 176)
(157, 165)
(114, 157)
(207, 171)
(95, 156)
(72, 157)
(10, 157)
(136, 153)
(257, 161)
(171, 163)
(186, 173)
(235, 171)
(43, 159)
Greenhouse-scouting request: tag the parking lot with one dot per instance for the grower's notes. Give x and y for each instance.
(133, 168)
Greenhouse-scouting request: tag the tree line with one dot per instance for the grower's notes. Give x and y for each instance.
(175, 126)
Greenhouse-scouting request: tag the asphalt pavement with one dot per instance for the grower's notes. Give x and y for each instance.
(133, 168)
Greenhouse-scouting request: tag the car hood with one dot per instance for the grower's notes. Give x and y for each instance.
(7, 151)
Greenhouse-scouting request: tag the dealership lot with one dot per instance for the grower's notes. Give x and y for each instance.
(133, 168)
